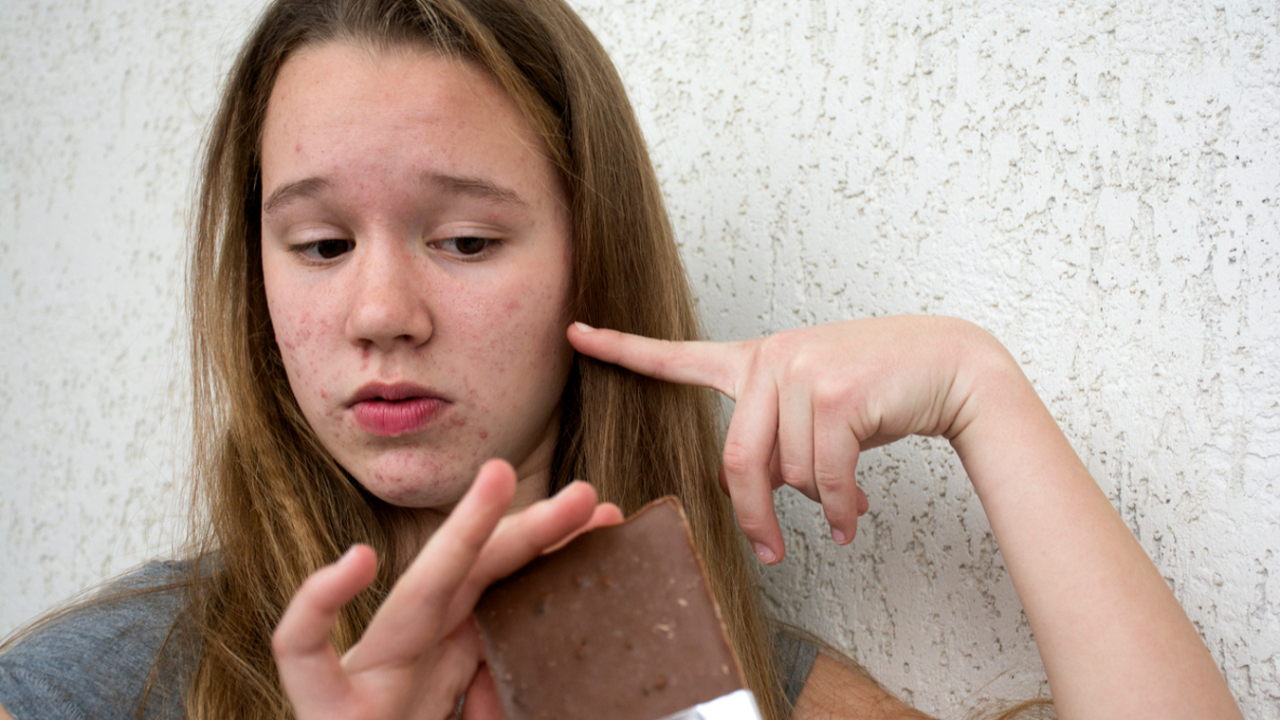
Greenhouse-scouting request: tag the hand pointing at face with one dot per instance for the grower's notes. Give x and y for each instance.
(809, 400)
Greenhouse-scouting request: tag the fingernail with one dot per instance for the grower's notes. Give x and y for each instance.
(764, 553)
(838, 536)
(583, 327)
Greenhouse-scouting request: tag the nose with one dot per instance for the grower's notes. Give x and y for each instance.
(388, 298)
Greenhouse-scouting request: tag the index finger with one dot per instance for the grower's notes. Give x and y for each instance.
(519, 538)
(309, 668)
(413, 615)
(706, 364)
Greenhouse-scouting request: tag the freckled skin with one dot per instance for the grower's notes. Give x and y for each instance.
(484, 332)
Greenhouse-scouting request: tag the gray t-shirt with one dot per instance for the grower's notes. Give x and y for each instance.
(96, 663)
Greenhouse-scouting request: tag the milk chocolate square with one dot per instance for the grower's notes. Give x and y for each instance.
(618, 624)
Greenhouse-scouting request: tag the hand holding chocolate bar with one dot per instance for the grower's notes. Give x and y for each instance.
(421, 652)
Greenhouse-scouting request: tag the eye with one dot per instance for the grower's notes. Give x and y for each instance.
(324, 249)
(466, 245)
(330, 249)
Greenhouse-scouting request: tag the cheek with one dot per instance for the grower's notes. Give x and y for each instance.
(300, 335)
(294, 332)
(539, 354)
(517, 334)
(524, 321)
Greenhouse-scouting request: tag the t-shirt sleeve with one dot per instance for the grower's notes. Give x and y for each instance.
(96, 662)
(795, 659)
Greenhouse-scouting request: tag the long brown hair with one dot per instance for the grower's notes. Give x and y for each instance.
(273, 506)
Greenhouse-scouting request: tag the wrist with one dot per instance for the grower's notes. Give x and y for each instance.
(1001, 416)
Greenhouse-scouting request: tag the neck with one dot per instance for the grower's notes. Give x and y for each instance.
(419, 524)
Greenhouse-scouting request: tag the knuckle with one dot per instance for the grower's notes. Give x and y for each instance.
(776, 350)
(755, 527)
(792, 356)
(832, 479)
(825, 396)
(830, 396)
(804, 364)
(737, 458)
(795, 474)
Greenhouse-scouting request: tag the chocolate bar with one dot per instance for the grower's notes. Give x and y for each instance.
(618, 624)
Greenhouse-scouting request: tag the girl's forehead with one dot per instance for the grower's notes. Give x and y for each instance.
(358, 81)
(344, 107)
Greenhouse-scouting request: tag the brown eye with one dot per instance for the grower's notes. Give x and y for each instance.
(330, 249)
(470, 245)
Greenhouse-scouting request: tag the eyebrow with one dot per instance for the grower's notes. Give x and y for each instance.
(453, 184)
(472, 186)
(307, 188)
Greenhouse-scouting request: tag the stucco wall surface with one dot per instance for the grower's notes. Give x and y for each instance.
(102, 108)
(1098, 184)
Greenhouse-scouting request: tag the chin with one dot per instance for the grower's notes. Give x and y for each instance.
(420, 488)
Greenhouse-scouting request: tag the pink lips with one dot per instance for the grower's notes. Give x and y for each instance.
(391, 410)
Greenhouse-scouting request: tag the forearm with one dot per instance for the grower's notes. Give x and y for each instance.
(1114, 641)
(1113, 638)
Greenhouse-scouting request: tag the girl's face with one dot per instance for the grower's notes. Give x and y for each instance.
(415, 249)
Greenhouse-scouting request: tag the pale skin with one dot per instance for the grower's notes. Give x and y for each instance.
(398, 303)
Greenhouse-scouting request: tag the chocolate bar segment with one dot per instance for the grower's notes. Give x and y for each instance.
(619, 624)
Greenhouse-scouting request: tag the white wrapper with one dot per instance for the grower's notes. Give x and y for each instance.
(737, 705)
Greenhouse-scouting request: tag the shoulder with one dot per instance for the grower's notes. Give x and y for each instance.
(795, 654)
(822, 683)
(99, 658)
(838, 688)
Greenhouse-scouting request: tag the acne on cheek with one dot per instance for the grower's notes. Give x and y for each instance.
(294, 335)
(300, 329)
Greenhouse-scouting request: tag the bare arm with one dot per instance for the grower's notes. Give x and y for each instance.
(1114, 641)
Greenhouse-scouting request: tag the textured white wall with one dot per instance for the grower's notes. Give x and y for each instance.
(102, 108)
(1096, 183)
